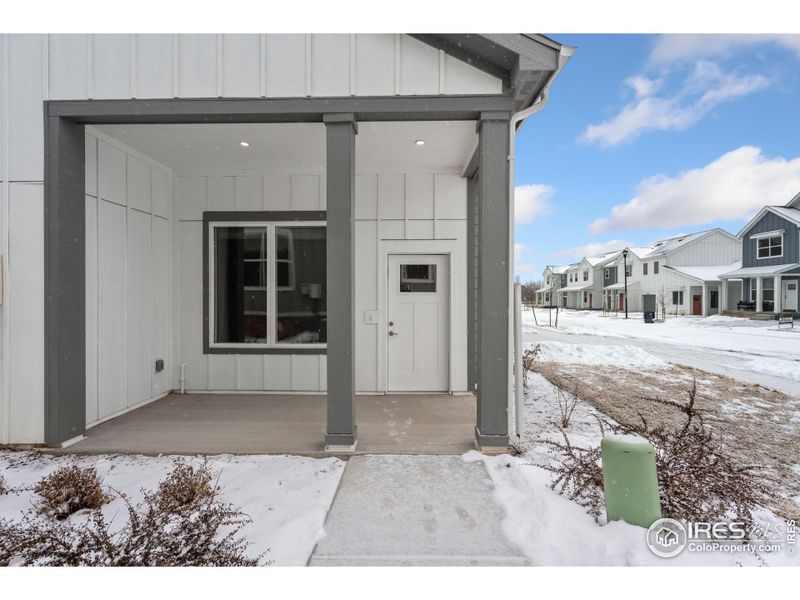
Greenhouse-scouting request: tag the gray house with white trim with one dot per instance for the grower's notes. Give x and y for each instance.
(324, 214)
(770, 271)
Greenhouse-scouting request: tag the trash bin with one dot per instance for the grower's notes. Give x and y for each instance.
(649, 316)
(630, 481)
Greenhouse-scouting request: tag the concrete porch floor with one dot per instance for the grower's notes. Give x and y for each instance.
(284, 424)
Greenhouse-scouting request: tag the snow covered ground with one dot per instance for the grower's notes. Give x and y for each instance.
(287, 497)
(752, 351)
(552, 530)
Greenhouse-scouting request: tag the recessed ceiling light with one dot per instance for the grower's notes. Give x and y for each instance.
(244, 144)
(420, 142)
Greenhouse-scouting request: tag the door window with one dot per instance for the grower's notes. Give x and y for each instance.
(417, 278)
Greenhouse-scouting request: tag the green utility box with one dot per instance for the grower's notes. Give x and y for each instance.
(630, 481)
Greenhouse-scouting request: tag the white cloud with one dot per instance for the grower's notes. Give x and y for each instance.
(673, 48)
(531, 201)
(733, 186)
(520, 266)
(592, 249)
(643, 86)
(704, 88)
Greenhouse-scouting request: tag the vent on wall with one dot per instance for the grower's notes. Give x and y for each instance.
(159, 365)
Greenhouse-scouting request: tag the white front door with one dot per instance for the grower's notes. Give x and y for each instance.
(790, 295)
(418, 323)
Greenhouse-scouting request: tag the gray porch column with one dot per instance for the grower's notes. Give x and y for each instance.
(341, 130)
(493, 369)
(64, 282)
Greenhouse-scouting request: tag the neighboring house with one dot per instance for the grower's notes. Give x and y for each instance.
(681, 272)
(770, 261)
(684, 272)
(569, 295)
(324, 214)
(592, 273)
(554, 278)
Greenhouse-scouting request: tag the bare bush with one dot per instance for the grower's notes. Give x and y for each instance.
(69, 489)
(569, 391)
(182, 523)
(4, 489)
(528, 360)
(184, 487)
(578, 474)
(696, 481)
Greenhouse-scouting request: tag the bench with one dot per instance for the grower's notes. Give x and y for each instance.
(786, 320)
(745, 305)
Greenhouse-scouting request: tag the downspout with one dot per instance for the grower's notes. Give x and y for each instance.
(515, 425)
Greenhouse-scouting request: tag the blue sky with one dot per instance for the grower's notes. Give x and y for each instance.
(680, 133)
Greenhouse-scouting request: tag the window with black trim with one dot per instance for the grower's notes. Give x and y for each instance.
(266, 285)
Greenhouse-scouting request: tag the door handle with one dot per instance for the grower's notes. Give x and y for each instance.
(393, 333)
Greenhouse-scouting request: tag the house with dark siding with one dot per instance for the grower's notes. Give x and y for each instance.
(770, 270)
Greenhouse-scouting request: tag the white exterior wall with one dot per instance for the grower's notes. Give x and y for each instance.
(391, 208)
(128, 278)
(716, 248)
(39, 67)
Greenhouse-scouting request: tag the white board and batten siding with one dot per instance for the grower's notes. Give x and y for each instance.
(390, 207)
(38, 67)
(128, 289)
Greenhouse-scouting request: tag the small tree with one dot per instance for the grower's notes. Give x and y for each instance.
(662, 299)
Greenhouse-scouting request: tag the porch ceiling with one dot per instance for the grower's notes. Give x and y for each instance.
(380, 146)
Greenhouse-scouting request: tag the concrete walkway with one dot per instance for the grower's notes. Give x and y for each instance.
(414, 510)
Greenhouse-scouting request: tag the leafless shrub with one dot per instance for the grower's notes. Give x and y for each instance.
(696, 481)
(69, 489)
(185, 486)
(578, 474)
(165, 529)
(569, 391)
(528, 359)
(4, 489)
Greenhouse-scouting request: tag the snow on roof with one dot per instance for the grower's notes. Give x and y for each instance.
(597, 260)
(560, 269)
(575, 288)
(794, 202)
(760, 271)
(791, 214)
(705, 273)
(671, 244)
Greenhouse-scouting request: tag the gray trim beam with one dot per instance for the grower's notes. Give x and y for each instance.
(64, 281)
(493, 272)
(213, 216)
(341, 183)
(277, 110)
(473, 281)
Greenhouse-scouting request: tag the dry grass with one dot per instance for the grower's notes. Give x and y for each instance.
(753, 425)
(68, 490)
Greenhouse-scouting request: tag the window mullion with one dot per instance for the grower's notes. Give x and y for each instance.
(272, 301)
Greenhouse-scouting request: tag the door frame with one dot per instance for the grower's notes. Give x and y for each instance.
(784, 288)
(456, 252)
(697, 298)
(385, 342)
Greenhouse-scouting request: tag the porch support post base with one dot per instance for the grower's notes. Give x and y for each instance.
(491, 444)
(341, 443)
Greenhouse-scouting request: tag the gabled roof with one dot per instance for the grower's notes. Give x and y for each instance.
(794, 202)
(676, 242)
(787, 212)
(599, 261)
(526, 62)
(557, 270)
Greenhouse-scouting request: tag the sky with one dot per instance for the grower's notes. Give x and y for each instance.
(645, 137)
